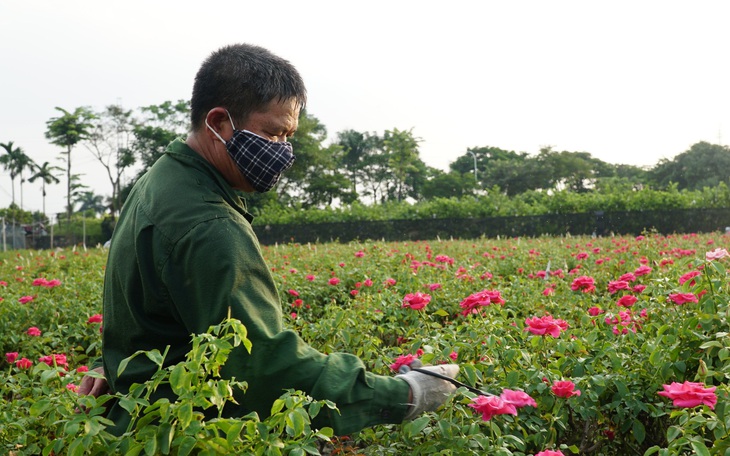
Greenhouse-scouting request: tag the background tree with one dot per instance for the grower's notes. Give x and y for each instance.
(407, 170)
(109, 141)
(45, 173)
(89, 203)
(356, 148)
(703, 165)
(315, 178)
(158, 126)
(16, 161)
(67, 130)
(8, 160)
(447, 185)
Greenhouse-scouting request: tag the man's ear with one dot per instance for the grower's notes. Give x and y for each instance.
(220, 122)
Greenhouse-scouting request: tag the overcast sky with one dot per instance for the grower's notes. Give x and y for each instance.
(628, 81)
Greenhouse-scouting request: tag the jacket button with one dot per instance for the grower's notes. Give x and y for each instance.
(385, 414)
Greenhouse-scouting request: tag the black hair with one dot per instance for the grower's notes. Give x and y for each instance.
(243, 79)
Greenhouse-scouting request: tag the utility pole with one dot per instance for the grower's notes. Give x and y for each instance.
(475, 165)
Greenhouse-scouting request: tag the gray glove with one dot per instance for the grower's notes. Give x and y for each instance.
(428, 392)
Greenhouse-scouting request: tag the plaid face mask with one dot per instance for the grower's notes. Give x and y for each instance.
(261, 161)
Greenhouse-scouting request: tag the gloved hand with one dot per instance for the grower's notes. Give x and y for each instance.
(428, 392)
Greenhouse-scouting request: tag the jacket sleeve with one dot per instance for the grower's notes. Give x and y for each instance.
(219, 265)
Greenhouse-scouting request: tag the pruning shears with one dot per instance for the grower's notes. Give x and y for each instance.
(404, 369)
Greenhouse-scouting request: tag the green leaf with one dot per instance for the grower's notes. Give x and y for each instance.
(621, 388)
(76, 448)
(441, 313)
(655, 357)
(673, 432)
(178, 379)
(187, 444)
(39, 407)
(277, 406)
(711, 343)
(699, 448)
(155, 356)
(296, 421)
(418, 425)
(639, 431)
(164, 437)
(185, 414)
(314, 409)
(470, 373)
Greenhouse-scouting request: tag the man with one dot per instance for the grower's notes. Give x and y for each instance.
(183, 253)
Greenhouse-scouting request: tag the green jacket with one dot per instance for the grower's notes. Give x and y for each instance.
(182, 253)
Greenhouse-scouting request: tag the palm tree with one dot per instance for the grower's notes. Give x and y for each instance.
(15, 161)
(67, 131)
(44, 172)
(90, 202)
(22, 163)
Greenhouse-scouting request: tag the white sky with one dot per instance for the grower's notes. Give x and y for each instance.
(627, 81)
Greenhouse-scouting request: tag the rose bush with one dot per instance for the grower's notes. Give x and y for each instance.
(628, 319)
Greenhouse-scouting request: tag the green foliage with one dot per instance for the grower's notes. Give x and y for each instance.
(40, 414)
(495, 203)
(703, 165)
(619, 373)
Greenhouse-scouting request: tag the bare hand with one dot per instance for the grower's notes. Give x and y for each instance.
(91, 386)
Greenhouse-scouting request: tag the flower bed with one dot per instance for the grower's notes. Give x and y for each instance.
(609, 346)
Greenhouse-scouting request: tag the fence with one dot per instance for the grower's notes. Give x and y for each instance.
(596, 223)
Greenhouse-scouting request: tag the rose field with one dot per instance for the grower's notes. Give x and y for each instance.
(591, 346)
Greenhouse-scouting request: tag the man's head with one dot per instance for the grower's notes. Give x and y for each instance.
(246, 89)
(244, 79)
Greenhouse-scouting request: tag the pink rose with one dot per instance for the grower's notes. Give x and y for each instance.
(550, 453)
(585, 284)
(565, 388)
(716, 254)
(517, 398)
(59, 359)
(33, 331)
(683, 298)
(11, 357)
(690, 394)
(334, 281)
(52, 283)
(23, 363)
(416, 301)
(689, 277)
(490, 406)
(97, 318)
(545, 325)
(471, 303)
(627, 301)
(616, 285)
(629, 277)
(403, 360)
(595, 311)
(642, 270)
